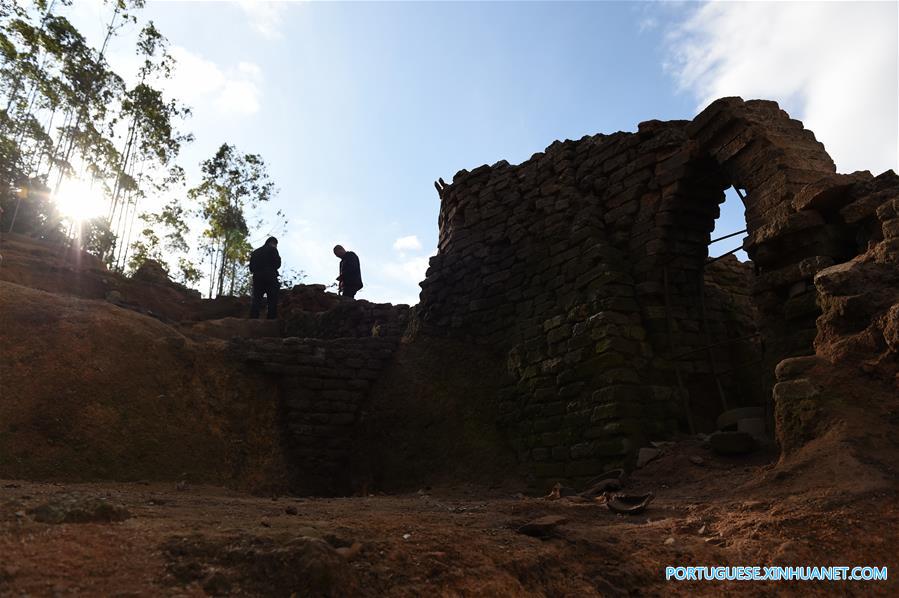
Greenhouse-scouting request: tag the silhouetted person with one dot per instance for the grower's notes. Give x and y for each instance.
(350, 279)
(264, 264)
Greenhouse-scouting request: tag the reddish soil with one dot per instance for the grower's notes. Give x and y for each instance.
(453, 541)
(91, 389)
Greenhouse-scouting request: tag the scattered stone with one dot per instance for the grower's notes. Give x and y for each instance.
(755, 427)
(259, 566)
(78, 509)
(697, 460)
(291, 510)
(348, 552)
(795, 390)
(605, 482)
(645, 455)
(732, 443)
(406, 536)
(669, 541)
(660, 444)
(702, 531)
(795, 367)
(544, 527)
(730, 418)
(607, 485)
(265, 523)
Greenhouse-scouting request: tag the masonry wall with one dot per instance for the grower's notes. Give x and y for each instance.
(323, 385)
(347, 319)
(588, 265)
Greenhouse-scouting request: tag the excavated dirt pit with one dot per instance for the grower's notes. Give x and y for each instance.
(185, 540)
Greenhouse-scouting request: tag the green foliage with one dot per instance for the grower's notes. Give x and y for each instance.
(292, 277)
(233, 185)
(65, 113)
(188, 273)
(59, 114)
(171, 223)
(96, 237)
(27, 209)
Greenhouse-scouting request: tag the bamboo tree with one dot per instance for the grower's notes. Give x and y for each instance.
(150, 134)
(92, 88)
(232, 186)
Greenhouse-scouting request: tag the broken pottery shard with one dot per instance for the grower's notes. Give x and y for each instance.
(629, 504)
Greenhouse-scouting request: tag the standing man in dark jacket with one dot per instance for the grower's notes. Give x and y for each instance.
(350, 279)
(264, 264)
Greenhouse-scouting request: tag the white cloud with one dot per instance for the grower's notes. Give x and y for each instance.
(410, 243)
(832, 65)
(238, 97)
(199, 82)
(304, 250)
(648, 24)
(411, 270)
(408, 271)
(265, 17)
(250, 69)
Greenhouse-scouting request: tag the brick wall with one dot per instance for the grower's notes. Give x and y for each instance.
(587, 263)
(323, 386)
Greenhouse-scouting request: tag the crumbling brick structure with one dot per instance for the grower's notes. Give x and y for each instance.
(324, 385)
(588, 264)
(587, 268)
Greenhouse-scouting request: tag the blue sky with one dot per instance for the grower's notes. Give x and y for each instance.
(359, 107)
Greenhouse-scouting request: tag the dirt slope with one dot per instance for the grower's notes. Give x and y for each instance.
(91, 391)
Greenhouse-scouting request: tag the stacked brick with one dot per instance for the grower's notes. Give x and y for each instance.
(324, 384)
(587, 264)
(347, 319)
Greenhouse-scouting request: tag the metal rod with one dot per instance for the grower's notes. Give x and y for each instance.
(708, 261)
(739, 232)
(715, 259)
(718, 344)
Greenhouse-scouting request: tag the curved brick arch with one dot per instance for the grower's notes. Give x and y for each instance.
(762, 150)
(756, 146)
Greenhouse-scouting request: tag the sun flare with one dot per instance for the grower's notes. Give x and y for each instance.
(78, 200)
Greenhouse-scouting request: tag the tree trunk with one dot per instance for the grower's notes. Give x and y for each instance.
(71, 141)
(224, 258)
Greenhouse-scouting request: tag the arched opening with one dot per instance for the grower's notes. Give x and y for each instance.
(710, 346)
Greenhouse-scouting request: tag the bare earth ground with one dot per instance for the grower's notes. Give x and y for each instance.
(197, 540)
